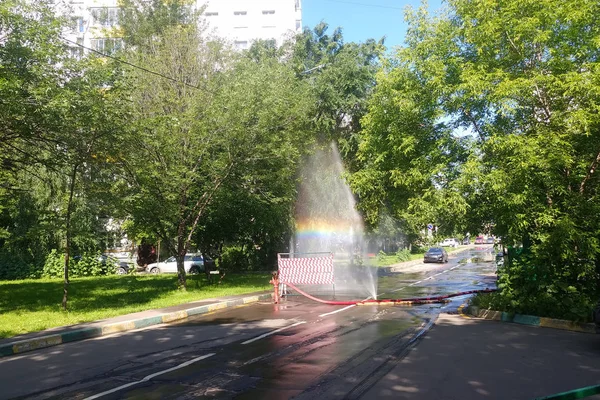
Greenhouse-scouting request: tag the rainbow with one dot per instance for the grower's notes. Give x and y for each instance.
(312, 228)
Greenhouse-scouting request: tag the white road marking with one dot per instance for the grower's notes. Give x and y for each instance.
(273, 332)
(147, 378)
(337, 311)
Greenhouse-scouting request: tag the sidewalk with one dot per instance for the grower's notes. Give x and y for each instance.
(470, 358)
(55, 336)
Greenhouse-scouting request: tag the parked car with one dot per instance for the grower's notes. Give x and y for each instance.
(435, 254)
(450, 242)
(489, 240)
(466, 241)
(192, 263)
(479, 240)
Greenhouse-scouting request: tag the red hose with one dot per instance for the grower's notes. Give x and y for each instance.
(407, 301)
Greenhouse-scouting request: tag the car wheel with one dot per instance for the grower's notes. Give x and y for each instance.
(194, 270)
(154, 270)
(121, 271)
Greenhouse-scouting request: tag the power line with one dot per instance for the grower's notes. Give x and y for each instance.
(365, 5)
(130, 64)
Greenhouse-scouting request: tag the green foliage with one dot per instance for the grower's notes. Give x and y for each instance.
(403, 255)
(341, 76)
(522, 79)
(234, 259)
(88, 264)
(142, 22)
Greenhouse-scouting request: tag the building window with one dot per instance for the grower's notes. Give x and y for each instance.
(211, 14)
(77, 51)
(105, 16)
(241, 44)
(298, 24)
(240, 12)
(297, 5)
(106, 45)
(268, 12)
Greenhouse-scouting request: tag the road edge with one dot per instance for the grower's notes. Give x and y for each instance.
(26, 345)
(531, 320)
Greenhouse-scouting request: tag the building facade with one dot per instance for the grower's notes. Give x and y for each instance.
(238, 21)
(243, 21)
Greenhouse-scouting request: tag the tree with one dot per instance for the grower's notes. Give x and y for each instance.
(520, 78)
(58, 114)
(206, 123)
(408, 158)
(342, 75)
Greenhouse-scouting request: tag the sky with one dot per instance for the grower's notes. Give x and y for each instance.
(363, 19)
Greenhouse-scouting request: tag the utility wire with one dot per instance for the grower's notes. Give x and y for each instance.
(365, 4)
(130, 64)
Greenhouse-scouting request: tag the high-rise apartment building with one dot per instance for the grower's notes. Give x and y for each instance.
(238, 21)
(243, 21)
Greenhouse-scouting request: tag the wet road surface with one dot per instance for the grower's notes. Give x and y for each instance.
(297, 349)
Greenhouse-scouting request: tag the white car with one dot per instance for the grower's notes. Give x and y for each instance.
(192, 263)
(451, 242)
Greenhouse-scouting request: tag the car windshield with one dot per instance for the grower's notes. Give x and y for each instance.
(434, 250)
(170, 259)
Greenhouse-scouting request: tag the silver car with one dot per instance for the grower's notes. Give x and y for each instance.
(192, 263)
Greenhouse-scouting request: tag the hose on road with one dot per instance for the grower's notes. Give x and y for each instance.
(403, 302)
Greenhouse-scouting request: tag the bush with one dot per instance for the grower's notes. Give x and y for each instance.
(381, 255)
(234, 259)
(87, 265)
(418, 249)
(544, 291)
(14, 267)
(403, 255)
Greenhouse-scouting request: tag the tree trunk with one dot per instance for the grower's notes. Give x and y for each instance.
(68, 237)
(181, 251)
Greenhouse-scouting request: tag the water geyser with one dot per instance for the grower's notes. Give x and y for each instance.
(327, 221)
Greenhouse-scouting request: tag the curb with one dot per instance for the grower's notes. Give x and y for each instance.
(26, 345)
(531, 320)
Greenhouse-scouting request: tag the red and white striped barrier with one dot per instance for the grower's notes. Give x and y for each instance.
(306, 270)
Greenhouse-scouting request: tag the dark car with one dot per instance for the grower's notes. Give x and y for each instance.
(436, 254)
(466, 241)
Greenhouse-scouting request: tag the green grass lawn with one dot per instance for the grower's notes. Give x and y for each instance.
(392, 259)
(34, 305)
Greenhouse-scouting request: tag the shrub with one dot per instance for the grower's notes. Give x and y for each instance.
(234, 259)
(16, 267)
(87, 265)
(403, 255)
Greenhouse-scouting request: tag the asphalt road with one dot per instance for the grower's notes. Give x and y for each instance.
(297, 349)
